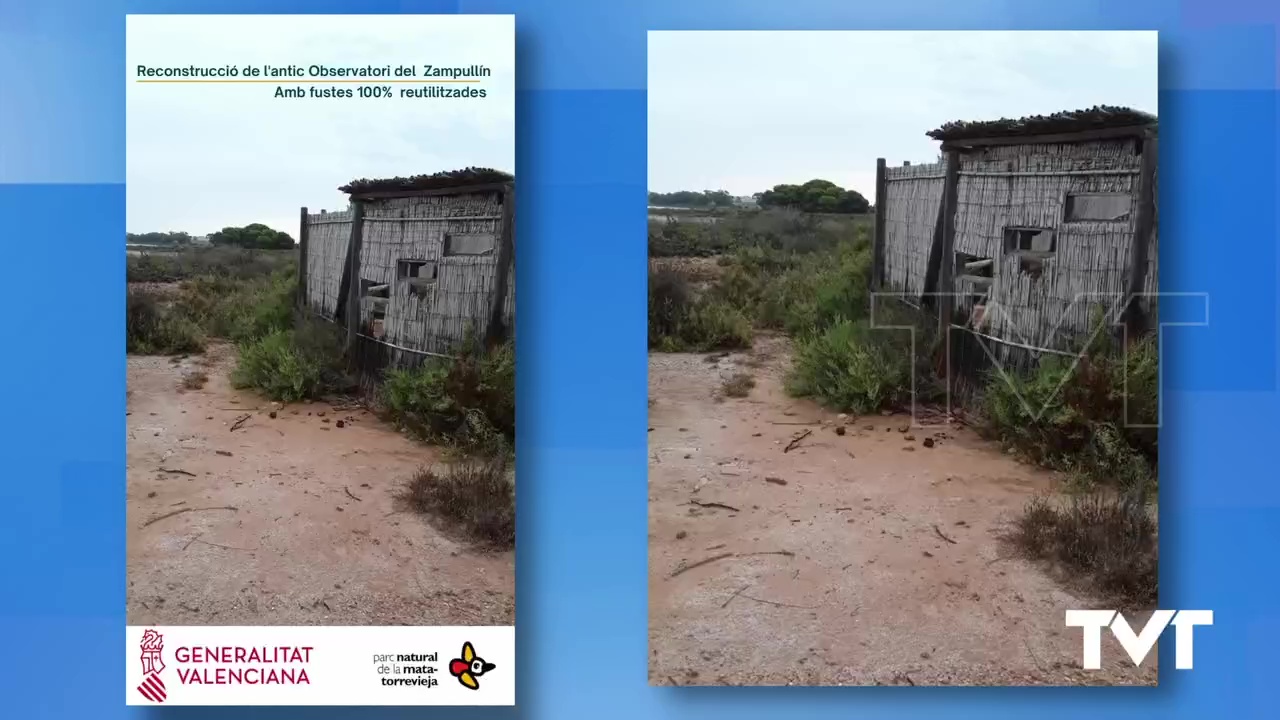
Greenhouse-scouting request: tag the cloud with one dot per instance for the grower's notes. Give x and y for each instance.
(201, 157)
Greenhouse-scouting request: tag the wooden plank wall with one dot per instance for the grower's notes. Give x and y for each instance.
(913, 194)
(1022, 186)
(1027, 186)
(328, 234)
(415, 229)
(418, 324)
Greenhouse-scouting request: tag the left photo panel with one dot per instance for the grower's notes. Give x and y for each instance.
(321, 373)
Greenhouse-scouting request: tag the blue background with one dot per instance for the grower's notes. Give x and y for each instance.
(582, 356)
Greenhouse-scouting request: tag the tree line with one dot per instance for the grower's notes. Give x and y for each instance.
(159, 238)
(707, 199)
(255, 236)
(815, 196)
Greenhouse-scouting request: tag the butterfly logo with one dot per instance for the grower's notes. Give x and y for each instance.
(469, 667)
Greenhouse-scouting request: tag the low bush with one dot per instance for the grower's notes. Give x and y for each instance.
(195, 380)
(677, 239)
(1094, 419)
(854, 367)
(681, 322)
(154, 327)
(849, 368)
(843, 288)
(799, 293)
(1109, 540)
(216, 305)
(738, 386)
(468, 402)
(716, 325)
(241, 310)
(476, 493)
(670, 298)
(292, 365)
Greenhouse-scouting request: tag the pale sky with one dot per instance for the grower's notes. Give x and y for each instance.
(744, 111)
(201, 157)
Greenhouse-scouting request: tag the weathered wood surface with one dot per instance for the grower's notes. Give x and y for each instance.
(423, 316)
(913, 198)
(1091, 266)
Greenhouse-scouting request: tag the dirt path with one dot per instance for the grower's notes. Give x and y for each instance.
(860, 559)
(316, 536)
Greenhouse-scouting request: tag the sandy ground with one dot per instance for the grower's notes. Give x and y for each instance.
(285, 521)
(858, 559)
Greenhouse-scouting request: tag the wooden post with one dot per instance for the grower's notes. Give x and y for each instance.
(302, 261)
(1135, 320)
(946, 265)
(497, 330)
(928, 299)
(353, 268)
(877, 246)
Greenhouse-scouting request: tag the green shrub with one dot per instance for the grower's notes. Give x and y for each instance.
(468, 402)
(843, 290)
(273, 366)
(153, 326)
(241, 310)
(852, 367)
(717, 325)
(809, 276)
(1083, 418)
(292, 365)
(266, 307)
(486, 382)
(779, 276)
(789, 303)
(796, 292)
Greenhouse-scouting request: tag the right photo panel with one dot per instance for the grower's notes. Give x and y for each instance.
(903, 357)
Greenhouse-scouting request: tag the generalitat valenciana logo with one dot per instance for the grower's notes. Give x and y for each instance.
(152, 686)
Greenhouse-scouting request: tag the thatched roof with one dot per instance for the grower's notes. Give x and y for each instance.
(1100, 117)
(436, 181)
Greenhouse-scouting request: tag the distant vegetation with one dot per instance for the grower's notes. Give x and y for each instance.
(254, 236)
(242, 302)
(775, 229)
(168, 239)
(193, 262)
(815, 196)
(706, 199)
(778, 270)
